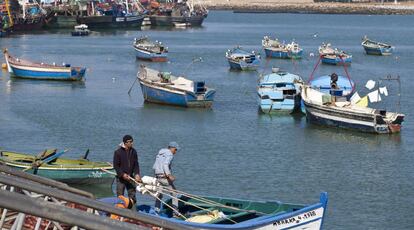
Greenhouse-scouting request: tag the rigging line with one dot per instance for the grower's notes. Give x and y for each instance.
(314, 68)
(347, 74)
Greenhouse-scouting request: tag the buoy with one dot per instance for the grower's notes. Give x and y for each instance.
(4, 66)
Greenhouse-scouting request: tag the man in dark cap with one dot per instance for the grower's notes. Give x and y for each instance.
(126, 167)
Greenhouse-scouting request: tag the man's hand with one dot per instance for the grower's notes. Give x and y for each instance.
(138, 178)
(125, 177)
(171, 177)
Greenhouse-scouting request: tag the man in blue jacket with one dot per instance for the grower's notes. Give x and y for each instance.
(162, 170)
(126, 167)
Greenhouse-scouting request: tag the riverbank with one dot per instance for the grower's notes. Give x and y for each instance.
(308, 6)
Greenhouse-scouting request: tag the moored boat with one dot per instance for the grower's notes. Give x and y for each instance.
(164, 88)
(80, 30)
(279, 92)
(376, 48)
(240, 59)
(110, 21)
(72, 171)
(275, 49)
(227, 213)
(150, 50)
(27, 69)
(333, 56)
(179, 13)
(334, 110)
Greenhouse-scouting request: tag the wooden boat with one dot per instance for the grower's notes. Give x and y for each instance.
(27, 69)
(79, 171)
(274, 49)
(227, 213)
(334, 110)
(376, 48)
(164, 88)
(333, 56)
(240, 59)
(109, 21)
(279, 92)
(81, 30)
(148, 50)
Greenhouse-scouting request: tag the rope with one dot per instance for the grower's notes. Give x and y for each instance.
(314, 69)
(347, 74)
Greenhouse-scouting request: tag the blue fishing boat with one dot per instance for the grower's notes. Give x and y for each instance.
(164, 88)
(376, 48)
(279, 92)
(333, 56)
(20, 68)
(148, 50)
(274, 49)
(240, 59)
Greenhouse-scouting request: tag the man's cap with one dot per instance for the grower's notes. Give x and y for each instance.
(174, 144)
(127, 138)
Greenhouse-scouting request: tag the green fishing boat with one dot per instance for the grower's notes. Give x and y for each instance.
(49, 164)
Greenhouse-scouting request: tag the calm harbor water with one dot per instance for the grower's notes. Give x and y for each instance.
(230, 150)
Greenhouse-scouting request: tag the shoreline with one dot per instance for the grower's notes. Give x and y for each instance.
(308, 7)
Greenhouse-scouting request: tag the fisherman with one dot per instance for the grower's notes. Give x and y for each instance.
(334, 79)
(126, 167)
(162, 170)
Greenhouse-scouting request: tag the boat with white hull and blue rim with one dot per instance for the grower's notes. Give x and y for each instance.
(164, 88)
(146, 49)
(333, 56)
(240, 59)
(279, 92)
(20, 68)
(337, 111)
(376, 48)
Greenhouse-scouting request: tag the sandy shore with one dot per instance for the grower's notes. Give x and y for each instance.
(308, 6)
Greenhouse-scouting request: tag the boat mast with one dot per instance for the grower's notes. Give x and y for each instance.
(8, 13)
(127, 8)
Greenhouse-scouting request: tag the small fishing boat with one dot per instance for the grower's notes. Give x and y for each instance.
(279, 92)
(148, 50)
(335, 110)
(164, 88)
(206, 212)
(274, 49)
(72, 171)
(376, 48)
(333, 56)
(81, 30)
(27, 69)
(240, 59)
(227, 213)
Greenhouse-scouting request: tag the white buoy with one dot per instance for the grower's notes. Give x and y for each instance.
(311, 54)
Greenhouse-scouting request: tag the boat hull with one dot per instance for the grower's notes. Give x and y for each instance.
(378, 51)
(242, 65)
(194, 21)
(304, 217)
(111, 22)
(161, 95)
(283, 54)
(149, 56)
(286, 106)
(325, 116)
(336, 61)
(63, 74)
(27, 25)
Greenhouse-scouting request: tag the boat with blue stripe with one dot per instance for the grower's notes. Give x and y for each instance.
(164, 88)
(150, 50)
(333, 56)
(279, 92)
(204, 212)
(274, 49)
(376, 48)
(240, 59)
(20, 68)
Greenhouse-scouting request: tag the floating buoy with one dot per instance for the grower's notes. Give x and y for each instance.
(4, 66)
(311, 54)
